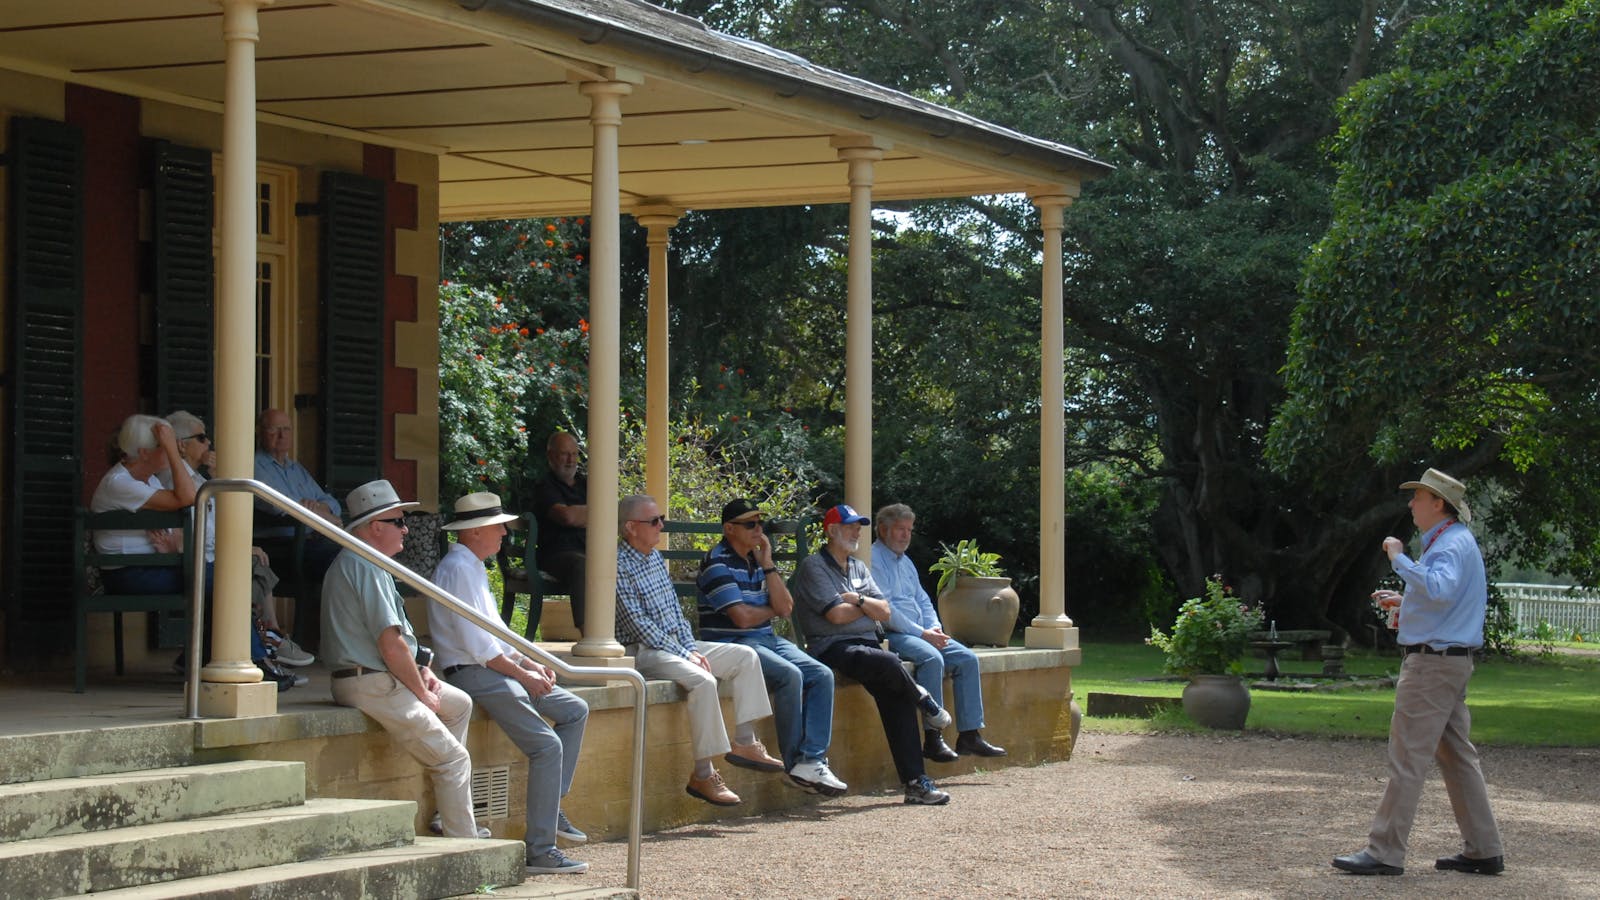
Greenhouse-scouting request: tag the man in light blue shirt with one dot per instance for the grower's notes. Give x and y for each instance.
(917, 635)
(1441, 624)
(274, 531)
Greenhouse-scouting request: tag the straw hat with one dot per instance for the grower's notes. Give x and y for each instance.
(478, 510)
(1453, 491)
(370, 500)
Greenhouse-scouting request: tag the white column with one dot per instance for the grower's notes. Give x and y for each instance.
(230, 666)
(861, 155)
(658, 222)
(1051, 628)
(605, 347)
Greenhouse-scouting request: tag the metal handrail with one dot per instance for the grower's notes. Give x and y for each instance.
(580, 674)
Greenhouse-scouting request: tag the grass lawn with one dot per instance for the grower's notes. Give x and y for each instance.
(1529, 701)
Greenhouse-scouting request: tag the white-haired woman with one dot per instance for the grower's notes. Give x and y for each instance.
(149, 447)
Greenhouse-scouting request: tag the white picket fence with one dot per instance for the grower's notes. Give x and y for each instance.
(1567, 609)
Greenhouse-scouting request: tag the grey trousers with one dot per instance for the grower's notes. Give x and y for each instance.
(551, 747)
(1431, 723)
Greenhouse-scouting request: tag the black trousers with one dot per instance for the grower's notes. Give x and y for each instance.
(567, 566)
(895, 692)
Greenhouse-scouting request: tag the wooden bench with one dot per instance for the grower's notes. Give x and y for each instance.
(89, 597)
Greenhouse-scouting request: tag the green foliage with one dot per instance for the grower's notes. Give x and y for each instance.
(1211, 633)
(963, 559)
(1449, 314)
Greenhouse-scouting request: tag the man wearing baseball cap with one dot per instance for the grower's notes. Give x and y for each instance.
(517, 692)
(841, 609)
(1441, 623)
(741, 593)
(369, 645)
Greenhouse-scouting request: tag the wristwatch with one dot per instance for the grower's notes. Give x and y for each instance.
(769, 570)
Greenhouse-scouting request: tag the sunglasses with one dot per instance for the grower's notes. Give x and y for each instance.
(202, 436)
(749, 525)
(657, 522)
(397, 521)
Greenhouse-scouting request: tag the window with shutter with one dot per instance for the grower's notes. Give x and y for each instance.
(185, 287)
(45, 262)
(352, 298)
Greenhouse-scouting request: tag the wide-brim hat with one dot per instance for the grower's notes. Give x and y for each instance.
(844, 514)
(370, 500)
(1453, 491)
(477, 510)
(741, 509)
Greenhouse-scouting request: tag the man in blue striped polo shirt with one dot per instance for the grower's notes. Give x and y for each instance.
(741, 592)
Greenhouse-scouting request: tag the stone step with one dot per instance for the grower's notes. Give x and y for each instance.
(65, 806)
(432, 867)
(559, 887)
(169, 851)
(67, 754)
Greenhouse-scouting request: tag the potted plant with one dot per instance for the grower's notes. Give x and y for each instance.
(1207, 646)
(976, 602)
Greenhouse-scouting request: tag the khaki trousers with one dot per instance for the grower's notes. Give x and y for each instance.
(438, 741)
(1431, 722)
(734, 663)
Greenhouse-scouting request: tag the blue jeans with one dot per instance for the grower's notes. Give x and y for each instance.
(931, 663)
(802, 696)
(552, 751)
(169, 580)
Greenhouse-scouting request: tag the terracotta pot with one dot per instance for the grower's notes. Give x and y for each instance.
(1217, 701)
(979, 610)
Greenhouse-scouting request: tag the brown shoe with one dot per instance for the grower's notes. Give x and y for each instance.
(712, 791)
(753, 756)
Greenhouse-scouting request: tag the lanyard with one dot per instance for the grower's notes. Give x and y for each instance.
(1436, 535)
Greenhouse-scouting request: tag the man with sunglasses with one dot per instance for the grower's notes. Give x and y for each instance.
(369, 645)
(741, 593)
(651, 623)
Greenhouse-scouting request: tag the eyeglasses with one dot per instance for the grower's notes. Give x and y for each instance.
(657, 522)
(751, 524)
(397, 521)
(202, 436)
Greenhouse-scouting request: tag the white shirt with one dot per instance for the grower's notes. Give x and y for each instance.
(457, 641)
(118, 489)
(211, 508)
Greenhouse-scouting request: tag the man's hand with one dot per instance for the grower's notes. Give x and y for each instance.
(430, 689)
(936, 637)
(763, 551)
(320, 508)
(165, 540)
(165, 438)
(699, 659)
(1393, 547)
(875, 609)
(536, 682)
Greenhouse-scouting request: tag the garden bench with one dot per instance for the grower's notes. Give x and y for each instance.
(88, 594)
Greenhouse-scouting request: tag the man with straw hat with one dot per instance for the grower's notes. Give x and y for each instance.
(377, 668)
(516, 691)
(1441, 624)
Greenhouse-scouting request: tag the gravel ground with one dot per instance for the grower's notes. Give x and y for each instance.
(1137, 816)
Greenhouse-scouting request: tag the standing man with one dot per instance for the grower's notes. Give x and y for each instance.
(650, 622)
(274, 531)
(561, 503)
(839, 608)
(514, 690)
(741, 592)
(376, 663)
(1441, 623)
(917, 635)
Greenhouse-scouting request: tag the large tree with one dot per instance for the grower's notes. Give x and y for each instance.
(1452, 311)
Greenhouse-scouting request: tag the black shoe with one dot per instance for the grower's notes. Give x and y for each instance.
(1489, 865)
(971, 743)
(934, 748)
(1363, 864)
(270, 672)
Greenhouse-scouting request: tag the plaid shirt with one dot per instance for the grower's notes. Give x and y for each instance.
(648, 611)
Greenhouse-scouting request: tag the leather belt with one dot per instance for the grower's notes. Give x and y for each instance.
(354, 671)
(451, 670)
(1408, 649)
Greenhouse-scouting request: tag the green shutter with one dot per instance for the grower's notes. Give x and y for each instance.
(352, 294)
(45, 260)
(185, 287)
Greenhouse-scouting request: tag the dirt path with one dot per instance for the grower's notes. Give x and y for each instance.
(1139, 816)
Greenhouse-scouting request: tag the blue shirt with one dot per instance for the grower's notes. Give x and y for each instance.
(726, 579)
(910, 609)
(291, 479)
(648, 611)
(1447, 590)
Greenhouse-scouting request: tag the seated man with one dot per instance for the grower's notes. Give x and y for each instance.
(561, 504)
(274, 530)
(741, 593)
(917, 635)
(376, 667)
(650, 622)
(839, 607)
(514, 690)
(148, 448)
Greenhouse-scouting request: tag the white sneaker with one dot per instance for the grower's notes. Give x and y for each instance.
(291, 654)
(436, 826)
(813, 775)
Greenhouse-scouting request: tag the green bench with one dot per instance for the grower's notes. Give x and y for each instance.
(88, 595)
